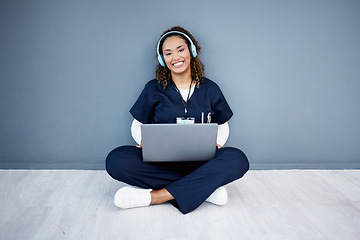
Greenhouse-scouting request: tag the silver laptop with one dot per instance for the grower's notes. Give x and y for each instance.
(178, 142)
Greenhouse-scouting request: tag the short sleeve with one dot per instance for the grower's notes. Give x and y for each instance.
(142, 110)
(222, 110)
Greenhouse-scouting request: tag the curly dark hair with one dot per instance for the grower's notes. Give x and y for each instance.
(163, 74)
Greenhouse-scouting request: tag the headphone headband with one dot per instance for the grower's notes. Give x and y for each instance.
(192, 47)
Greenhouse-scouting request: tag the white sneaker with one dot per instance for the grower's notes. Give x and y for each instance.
(130, 197)
(218, 197)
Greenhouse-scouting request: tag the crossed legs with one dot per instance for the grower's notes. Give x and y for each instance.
(186, 185)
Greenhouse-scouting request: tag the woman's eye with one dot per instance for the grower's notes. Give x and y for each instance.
(167, 54)
(181, 50)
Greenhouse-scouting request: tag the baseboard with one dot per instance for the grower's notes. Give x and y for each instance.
(304, 165)
(52, 165)
(101, 165)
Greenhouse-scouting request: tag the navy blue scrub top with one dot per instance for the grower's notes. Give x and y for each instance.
(156, 105)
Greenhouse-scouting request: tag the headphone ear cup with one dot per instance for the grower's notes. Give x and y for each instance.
(161, 60)
(193, 51)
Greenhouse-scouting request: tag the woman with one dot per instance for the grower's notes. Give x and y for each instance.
(180, 89)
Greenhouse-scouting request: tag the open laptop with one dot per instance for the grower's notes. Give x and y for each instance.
(178, 142)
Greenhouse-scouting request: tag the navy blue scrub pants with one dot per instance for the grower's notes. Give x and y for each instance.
(190, 183)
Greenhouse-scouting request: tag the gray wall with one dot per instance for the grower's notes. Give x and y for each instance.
(71, 70)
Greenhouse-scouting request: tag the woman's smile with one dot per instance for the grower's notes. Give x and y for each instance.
(178, 64)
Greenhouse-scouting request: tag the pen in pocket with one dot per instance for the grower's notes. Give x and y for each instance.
(209, 117)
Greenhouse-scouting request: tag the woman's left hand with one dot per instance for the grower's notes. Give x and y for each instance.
(218, 146)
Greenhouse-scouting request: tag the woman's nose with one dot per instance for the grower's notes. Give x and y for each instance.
(176, 56)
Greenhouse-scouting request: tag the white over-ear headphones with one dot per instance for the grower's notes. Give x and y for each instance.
(192, 47)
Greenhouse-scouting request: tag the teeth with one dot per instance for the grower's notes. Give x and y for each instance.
(178, 64)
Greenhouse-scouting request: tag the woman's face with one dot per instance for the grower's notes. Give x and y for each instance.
(176, 55)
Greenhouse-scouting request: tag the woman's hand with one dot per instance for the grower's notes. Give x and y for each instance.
(218, 146)
(139, 146)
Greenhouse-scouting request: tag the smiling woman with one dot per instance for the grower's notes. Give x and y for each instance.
(179, 90)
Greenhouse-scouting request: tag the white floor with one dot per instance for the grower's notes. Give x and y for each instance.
(266, 204)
